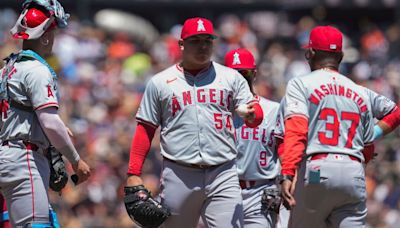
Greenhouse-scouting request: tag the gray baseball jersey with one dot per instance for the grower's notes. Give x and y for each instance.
(338, 111)
(257, 158)
(380, 107)
(195, 112)
(31, 84)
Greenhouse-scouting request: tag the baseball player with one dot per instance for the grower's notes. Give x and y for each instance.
(193, 103)
(257, 160)
(329, 117)
(29, 120)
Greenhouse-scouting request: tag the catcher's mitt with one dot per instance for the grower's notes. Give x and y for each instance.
(271, 200)
(143, 209)
(58, 173)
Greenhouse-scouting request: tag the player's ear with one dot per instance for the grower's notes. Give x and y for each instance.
(340, 58)
(307, 54)
(44, 39)
(312, 52)
(180, 43)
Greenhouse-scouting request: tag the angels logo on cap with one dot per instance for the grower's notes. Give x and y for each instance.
(197, 26)
(240, 59)
(236, 59)
(200, 26)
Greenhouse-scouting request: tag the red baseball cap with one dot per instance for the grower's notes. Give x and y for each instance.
(197, 26)
(325, 38)
(240, 59)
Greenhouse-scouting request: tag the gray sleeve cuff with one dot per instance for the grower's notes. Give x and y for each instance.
(71, 154)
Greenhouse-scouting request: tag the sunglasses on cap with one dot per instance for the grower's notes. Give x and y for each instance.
(247, 72)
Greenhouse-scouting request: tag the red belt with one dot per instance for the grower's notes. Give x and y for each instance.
(246, 184)
(324, 155)
(28, 145)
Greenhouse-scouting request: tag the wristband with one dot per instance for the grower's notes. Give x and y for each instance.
(378, 132)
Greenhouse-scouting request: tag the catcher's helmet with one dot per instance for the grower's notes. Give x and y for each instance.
(38, 17)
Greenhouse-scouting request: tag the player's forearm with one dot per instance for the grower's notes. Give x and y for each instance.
(140, 147)
(56, 132)
(295, 141)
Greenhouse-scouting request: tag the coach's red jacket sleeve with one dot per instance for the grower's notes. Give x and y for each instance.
(392, 119)
(295, 142)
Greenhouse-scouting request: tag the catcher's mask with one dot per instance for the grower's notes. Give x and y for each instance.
(38, 17)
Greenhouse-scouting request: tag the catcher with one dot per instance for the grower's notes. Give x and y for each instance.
(30, 122)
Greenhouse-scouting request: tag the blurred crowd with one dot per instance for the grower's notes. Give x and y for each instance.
(102, 76)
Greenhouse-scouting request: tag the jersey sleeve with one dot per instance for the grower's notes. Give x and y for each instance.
(380, 105)
(150, 107)
(242, 93)
(295, 100)
(41, 88)
(368, 124)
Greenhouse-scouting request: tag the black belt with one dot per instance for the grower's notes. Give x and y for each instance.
(197, 166)
(28, 145)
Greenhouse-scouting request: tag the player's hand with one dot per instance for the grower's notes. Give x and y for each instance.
(82, 170)
(246, 111)
(287, 194)
(134, 180)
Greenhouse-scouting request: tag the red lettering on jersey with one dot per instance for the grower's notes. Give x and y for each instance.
(319, 94)
(336, 91)
(341, 90)
(175, 105)
(13, 71)
(264, 136)
(221, 98)
(326, 91)
(187, 98)
(49, 92)
(245, 134)
(359, 101)
(201, 97)
(313, 99)
(331, 89)
(271, 139)
(348, 93)
(255, 133)
(355, 96)
(228, 123)
(363, 108)
(212, 96)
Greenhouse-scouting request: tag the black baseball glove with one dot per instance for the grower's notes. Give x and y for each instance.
(271, 200)
(143, 209)
(58, 173)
